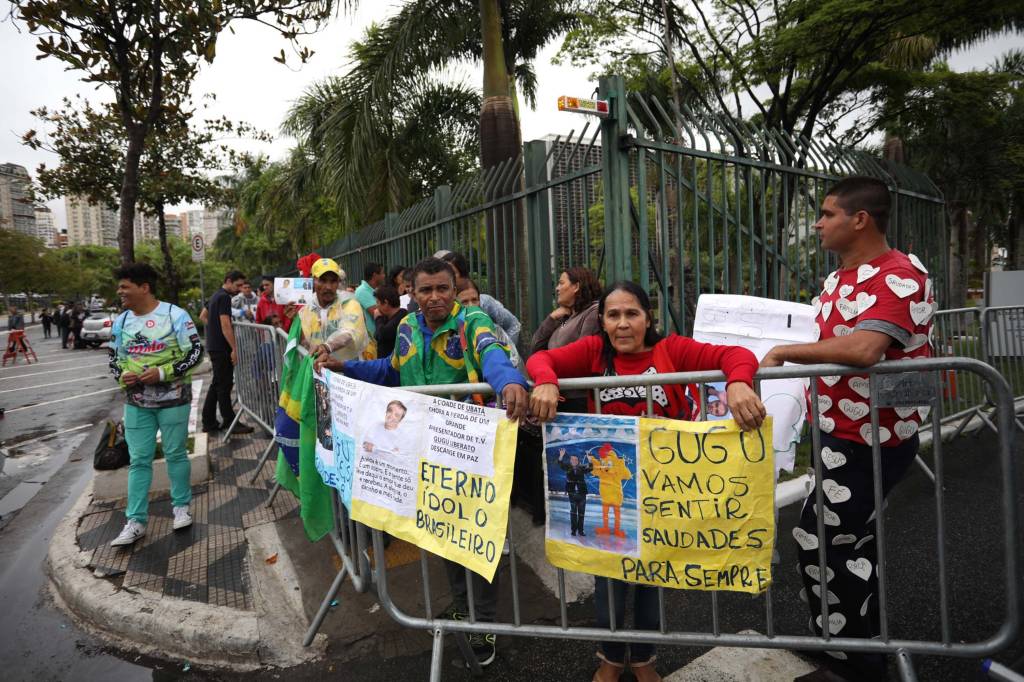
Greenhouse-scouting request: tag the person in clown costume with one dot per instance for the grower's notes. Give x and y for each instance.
(611, 472)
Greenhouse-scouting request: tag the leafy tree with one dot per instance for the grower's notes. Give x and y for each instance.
(148, 54)
(794, 65)
(966, 131)
(91, 145)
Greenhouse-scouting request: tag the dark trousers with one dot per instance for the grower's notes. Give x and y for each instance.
(645, 617)
(851, 555)
(46, 330)
(220, 391)
(577, 509)
(64, 331)
(485, 594)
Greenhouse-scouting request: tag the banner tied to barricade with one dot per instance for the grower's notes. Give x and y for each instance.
(431, 471)
(684, 505)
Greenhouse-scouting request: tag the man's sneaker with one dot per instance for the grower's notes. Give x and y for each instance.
(483, 648)
(182, 517)
(132, 531)
(241, 428)
(452, 612)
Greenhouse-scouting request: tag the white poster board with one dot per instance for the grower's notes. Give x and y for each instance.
(760, 324)
(298, 290)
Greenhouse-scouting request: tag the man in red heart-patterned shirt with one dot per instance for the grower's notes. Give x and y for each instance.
(877, 306)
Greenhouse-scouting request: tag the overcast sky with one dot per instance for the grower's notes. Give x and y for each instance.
(250, 86)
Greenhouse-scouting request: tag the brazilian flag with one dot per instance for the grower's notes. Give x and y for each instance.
(295, 432)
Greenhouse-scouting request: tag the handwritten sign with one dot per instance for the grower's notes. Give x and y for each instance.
(432, 471)
(684, 505)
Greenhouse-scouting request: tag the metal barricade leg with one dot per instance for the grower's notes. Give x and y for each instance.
(905, 666)
(263, 460)
(924, 467)
(273, 493)
(227, 433)
(325, 606)
(437, 655)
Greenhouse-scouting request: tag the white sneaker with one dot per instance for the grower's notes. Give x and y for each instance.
(132, 531)
(182, 517)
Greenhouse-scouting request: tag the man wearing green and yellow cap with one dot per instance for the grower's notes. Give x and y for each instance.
(330, 325)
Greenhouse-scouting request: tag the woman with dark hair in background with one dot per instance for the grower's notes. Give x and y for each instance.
(629, 345)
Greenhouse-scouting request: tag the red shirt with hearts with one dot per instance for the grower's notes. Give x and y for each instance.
(891, 294)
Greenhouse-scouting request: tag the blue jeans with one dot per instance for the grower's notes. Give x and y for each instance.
(645, 617)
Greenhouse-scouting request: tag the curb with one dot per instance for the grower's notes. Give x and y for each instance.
(172, 629)
(165, 628)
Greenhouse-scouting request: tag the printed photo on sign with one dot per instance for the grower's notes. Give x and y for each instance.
(298, 290)
(591, 482)
(387, 441)
(326, 462)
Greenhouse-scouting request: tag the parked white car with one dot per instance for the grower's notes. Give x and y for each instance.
(96, 328)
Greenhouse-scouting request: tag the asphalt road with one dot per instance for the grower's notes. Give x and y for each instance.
(50, 427)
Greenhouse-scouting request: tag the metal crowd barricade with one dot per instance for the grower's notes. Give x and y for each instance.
(885, 391)
(259, 354)
(1003, 342)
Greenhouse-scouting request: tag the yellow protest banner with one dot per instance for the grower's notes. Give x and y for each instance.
(431, 471)
(685, 505)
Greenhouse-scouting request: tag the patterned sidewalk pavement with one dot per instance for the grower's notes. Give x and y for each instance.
(206, 562)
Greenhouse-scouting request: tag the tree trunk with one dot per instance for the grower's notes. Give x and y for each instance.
(130, 193)
(499, 135)
(171, 277)
(957, 261)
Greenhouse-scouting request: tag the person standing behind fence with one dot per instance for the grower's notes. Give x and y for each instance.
(220, 344)
(373, 277)
(629, 345)
(490, 305)
(332, 325)
(154, 346)
(447, 344)
(876, 306)
(243, 304)
(390, 313)
(267, 307)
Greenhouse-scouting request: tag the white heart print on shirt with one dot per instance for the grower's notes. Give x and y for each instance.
(921, 312)
(860, 386)
(841, 330)
(905, 429)
(836, 494)
(826, 424)
(854, 410)
(916, 262)
(826, 310)
(836, 622)
(831, 379)
(831, 282)
(847, 308)
(865, 301)
(824, 403)
(901, 287)
(832, 459)
(883, 434)
(866, 272)
(816, 302)
(860, 568)
(805, 539)
(927, 288)
(845, 290)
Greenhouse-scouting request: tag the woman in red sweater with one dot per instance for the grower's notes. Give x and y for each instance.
(629, 345)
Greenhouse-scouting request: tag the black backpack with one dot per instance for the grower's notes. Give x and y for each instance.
(112, 450)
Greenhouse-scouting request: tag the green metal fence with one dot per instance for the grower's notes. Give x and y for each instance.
(683, 202)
